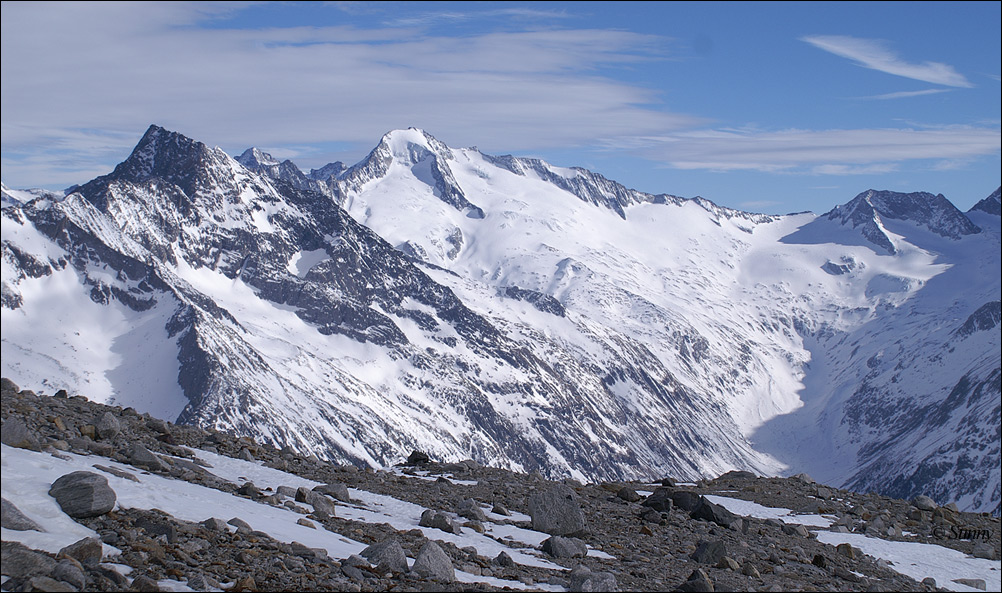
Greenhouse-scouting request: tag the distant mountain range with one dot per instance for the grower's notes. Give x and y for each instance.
(525, 315)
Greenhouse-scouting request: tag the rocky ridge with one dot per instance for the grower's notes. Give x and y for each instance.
(603, 536)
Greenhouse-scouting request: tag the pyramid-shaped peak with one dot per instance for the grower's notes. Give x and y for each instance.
(407, 144)
(935, 212)
(161, 153)
(254, 158)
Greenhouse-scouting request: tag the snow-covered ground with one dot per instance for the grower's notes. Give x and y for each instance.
(915, 559)
(27, 477)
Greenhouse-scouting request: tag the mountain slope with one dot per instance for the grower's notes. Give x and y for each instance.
(525, 315)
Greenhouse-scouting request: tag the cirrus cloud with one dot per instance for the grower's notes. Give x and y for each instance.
(874, 54)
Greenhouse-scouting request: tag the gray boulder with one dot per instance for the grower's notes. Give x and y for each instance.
(83, 494)
(87, 551)
(557, 512)
(387, 556)
(471, 510)
(69, 571)
(432, 562)
(708, 511)
(565, 547)
(709, 552)
(144, 458)
(924, 503)
(335, 491)
(628, 494)
(438, 520)
(583, 579)
(12, 518)
(660, 500)
(15, 433)
(17, 561)
(698, 581)
(685, 500)
(108, 427)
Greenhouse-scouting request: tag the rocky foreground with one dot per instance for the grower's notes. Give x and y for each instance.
(609, 536)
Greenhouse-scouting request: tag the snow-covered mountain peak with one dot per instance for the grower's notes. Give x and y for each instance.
(872, 210)
(253, 158)
(413, 145)
(992, 204)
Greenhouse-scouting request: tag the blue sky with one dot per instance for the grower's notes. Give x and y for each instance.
(769, 107)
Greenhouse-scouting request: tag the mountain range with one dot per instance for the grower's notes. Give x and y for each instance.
(528, 316)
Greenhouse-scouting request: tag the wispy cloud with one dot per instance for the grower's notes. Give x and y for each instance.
(821, 152)
(874, 54)
(907, 94)
(120, 68)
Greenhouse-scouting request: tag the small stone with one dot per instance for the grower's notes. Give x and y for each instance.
(49, 585)
(975, 583)
(820, 561)
(729, 563)
(241, 525)
(70, 572)
(145, 583)
(847, 575)
(628, 494)
(438, 520)
(214, 524)
(697, 581)
(87, 551)
(749, 570)
(660, 500)
(709, 552)
(924, 503)
(202, 582)
(503, 560)
(846, 550)
(244, 584)
(470, 509)
(929, 582)
(306, 523)
(335, 491)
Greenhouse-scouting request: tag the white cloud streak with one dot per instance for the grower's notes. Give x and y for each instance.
(82, 66)
(907, 94)
(874, 54)
(823, 152)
